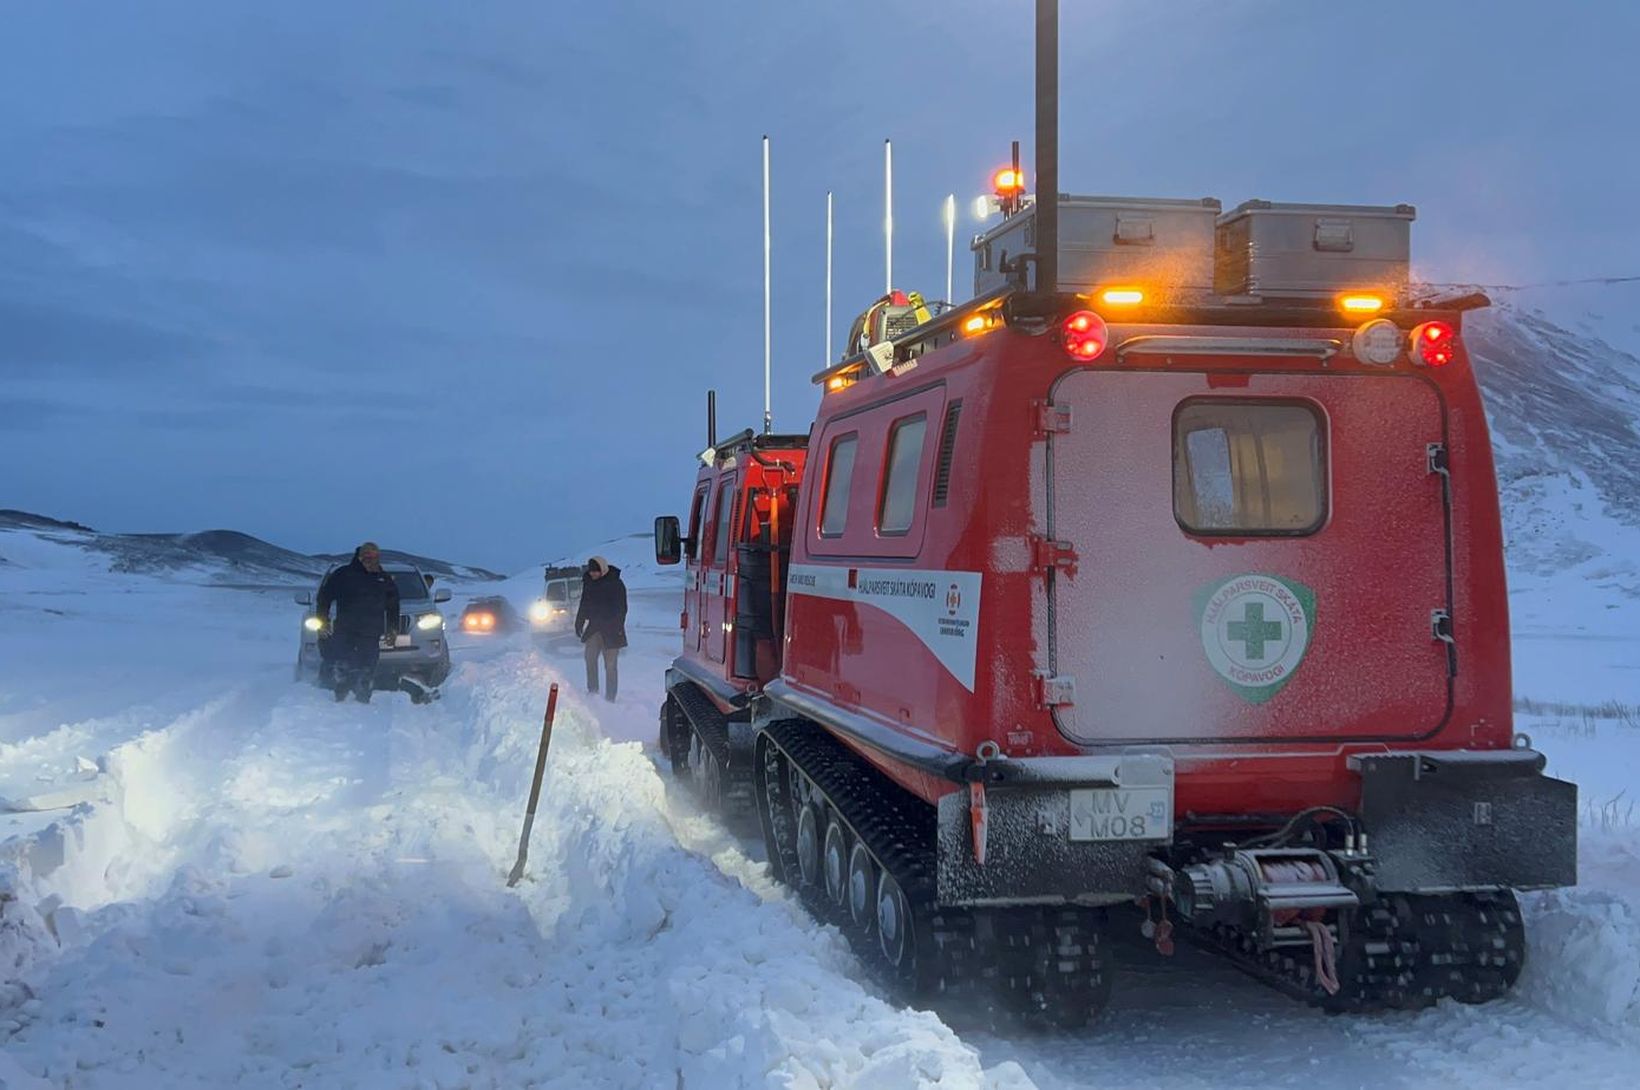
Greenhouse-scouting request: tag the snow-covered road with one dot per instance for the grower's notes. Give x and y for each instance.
(272, 890)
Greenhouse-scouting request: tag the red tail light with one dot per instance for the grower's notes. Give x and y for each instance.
(1434, 344)
(1084, 335)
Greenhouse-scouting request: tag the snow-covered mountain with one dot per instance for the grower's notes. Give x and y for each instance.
(634, 554)
(1560, 368)
(213, 556)
(1562, 380)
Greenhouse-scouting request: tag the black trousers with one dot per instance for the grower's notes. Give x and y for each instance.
(353, 657)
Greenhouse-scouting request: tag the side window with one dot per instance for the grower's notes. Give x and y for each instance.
(1249, 468)
(898, 504)
(692, 542)
(720, 518)
(839, 475)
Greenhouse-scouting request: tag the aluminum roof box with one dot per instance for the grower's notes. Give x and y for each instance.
(1313, 249)
(1105, 241)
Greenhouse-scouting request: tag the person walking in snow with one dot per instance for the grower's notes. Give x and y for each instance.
(367, 609)
(600, 623)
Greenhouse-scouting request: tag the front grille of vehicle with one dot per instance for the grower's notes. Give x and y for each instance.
(406, 623)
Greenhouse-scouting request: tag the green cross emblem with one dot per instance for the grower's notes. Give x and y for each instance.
(1253, 630)
(1256, 657)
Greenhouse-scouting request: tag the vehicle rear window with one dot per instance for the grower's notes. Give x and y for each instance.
(1246, 467)
(899, 501)
(839, 474)
(720, 538)
(693, 539)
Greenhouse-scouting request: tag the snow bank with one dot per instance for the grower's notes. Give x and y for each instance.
(1584, 958)
(279, 887)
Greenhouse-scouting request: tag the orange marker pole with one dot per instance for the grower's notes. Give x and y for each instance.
(535, 788)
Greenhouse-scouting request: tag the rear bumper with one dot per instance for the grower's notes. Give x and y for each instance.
(1435, 822)
(1037, 829)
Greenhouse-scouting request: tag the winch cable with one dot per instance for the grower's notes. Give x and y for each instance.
(1326, 954)
(1325, 947)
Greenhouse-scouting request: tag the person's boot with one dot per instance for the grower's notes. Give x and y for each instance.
(341, 694)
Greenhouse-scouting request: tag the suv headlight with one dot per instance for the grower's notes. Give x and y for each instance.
(540, 611)
(313, 624)
(429, 621)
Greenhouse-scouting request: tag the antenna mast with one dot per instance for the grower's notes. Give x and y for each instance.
(768, 416)
(1047, 146)
(950, 241)
(888, 216)
(828, 278)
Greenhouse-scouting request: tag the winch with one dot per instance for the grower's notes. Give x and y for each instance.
(1268, 892)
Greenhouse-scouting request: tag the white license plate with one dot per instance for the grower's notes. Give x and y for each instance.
(1121, 813)
(403, 641)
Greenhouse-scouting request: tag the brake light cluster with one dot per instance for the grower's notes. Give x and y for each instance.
(1084, 335)
(1434, 344)
(478, 622)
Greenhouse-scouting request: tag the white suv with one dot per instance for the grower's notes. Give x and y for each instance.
(419, 660)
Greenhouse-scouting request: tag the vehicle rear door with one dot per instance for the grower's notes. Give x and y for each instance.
(1260, 555)
(717, 586)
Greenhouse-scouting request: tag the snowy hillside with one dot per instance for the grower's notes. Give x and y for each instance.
(216, 556)
(634, 554)
(1560, 367)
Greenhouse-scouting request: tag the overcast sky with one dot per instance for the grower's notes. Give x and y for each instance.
(456, 276)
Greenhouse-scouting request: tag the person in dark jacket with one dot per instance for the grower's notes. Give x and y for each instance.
(367, 609)
(601, 622)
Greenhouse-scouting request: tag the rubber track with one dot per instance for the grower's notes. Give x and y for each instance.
(1042, 965)
(1402, 952)
(712, 728)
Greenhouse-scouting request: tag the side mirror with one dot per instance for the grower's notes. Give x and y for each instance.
(668, 540)
(304, 598)
(441, 596)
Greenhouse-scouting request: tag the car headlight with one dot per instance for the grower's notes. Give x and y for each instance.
(313, 624)
(429, 621)
(540, 611)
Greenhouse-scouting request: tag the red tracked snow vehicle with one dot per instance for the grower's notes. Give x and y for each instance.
(1175, 581)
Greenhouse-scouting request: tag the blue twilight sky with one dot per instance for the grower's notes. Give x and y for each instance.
(455, 276)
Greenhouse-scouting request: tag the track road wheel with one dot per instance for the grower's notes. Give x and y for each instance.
(808, 845)
(894, 928)
(862, 889)
(834, 862)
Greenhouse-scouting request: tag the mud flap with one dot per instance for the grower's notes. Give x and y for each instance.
(1439, 822)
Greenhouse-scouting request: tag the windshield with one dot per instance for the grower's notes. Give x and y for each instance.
(410, 584)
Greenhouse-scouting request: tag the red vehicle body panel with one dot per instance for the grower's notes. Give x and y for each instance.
(734, 501)
(1056, 555)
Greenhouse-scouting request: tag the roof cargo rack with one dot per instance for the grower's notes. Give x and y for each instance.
(1109, 240)
(1299, 250)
